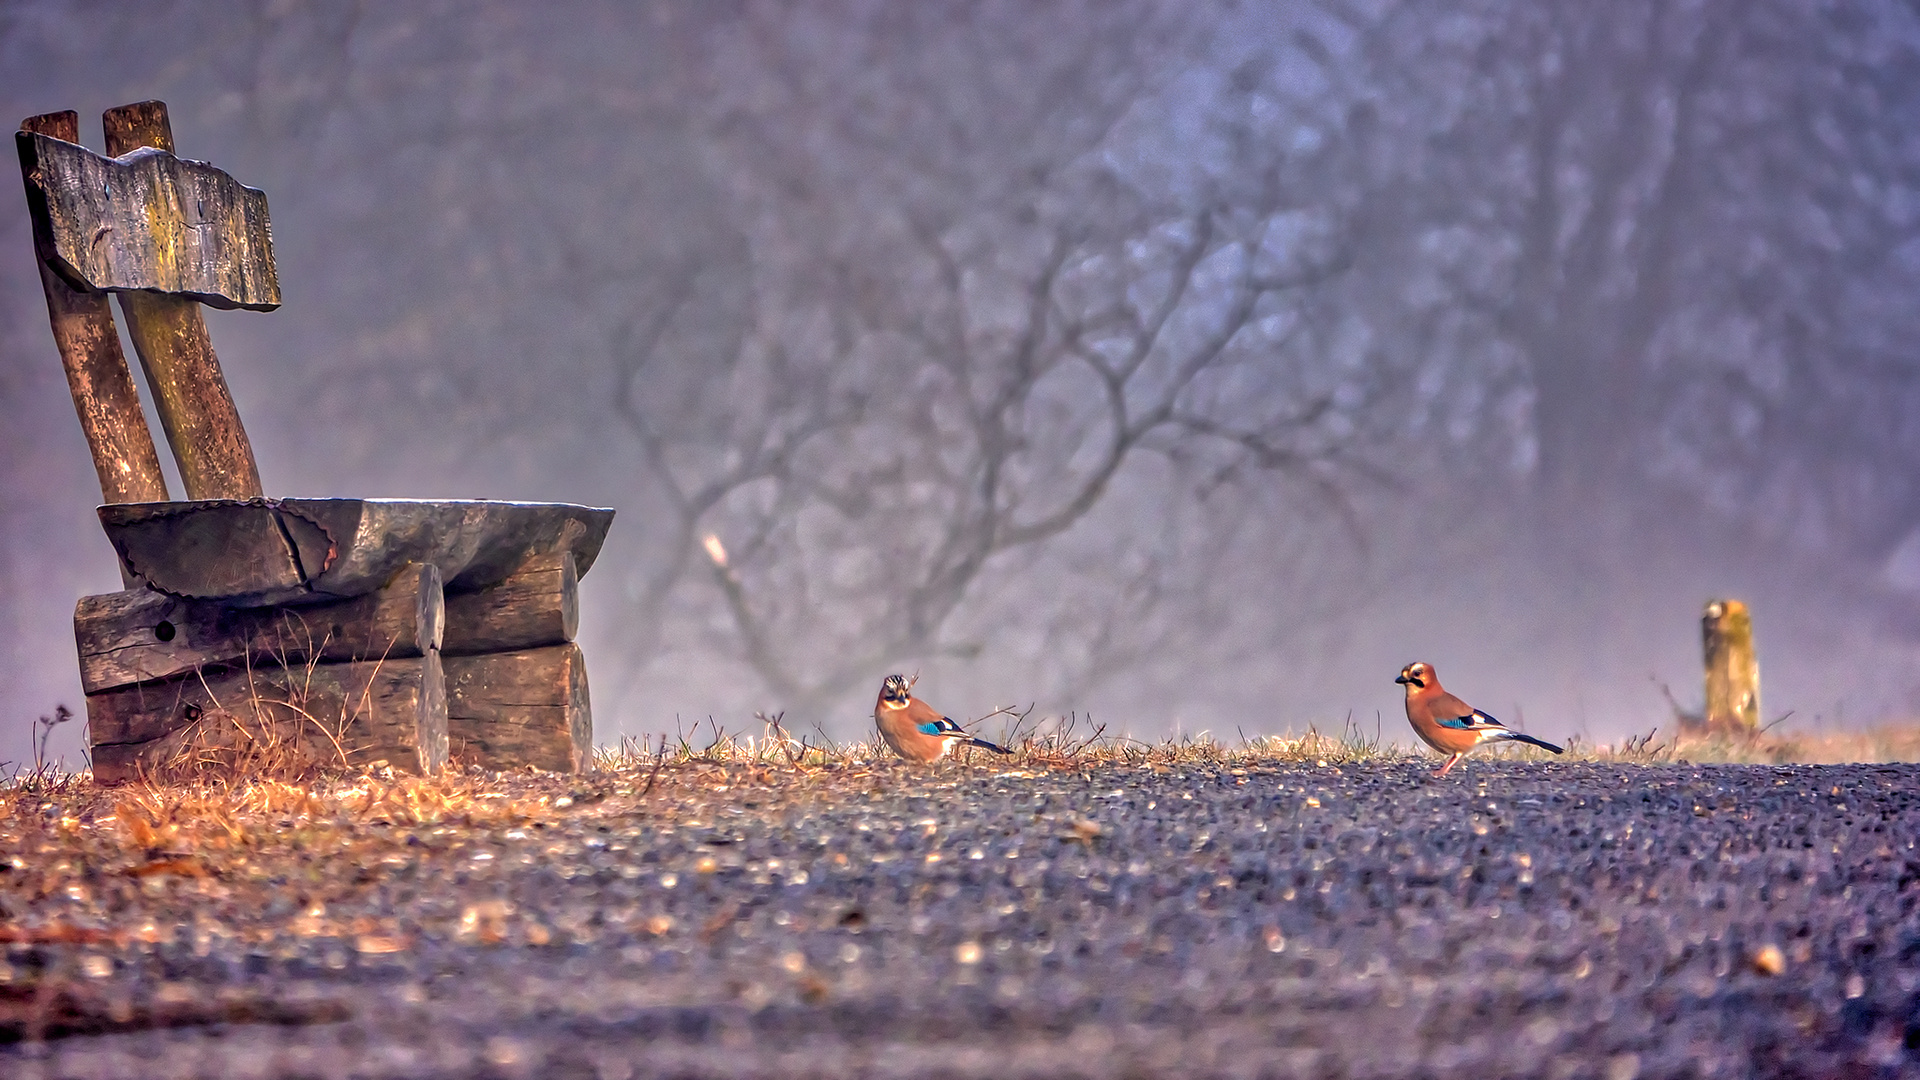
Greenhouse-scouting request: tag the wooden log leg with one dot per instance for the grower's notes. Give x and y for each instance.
(512, 709)
(190, 393)
(102, 386)
(145, 636)
(539, 604)
(258, 719)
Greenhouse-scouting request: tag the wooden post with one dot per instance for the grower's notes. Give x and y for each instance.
(97, 374)
(168, 332)
(1733, 669)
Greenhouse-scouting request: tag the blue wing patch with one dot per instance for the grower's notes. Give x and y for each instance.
(942, 726)
(1474, 719)
(931, 729)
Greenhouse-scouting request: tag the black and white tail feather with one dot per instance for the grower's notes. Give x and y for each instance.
(947, 729)
(1492, 730)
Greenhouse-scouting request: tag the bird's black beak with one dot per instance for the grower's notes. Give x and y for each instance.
(1411, 679)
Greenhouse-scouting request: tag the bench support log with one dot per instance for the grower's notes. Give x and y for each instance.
(538, 605)
(143, 636)
(350, 715)
(511, 709)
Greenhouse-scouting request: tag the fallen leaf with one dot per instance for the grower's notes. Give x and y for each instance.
(55, 934)
(184, 866)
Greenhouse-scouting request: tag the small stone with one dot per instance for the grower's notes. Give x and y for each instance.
(1769, 960)
(503, 1052)
(1543, 1031)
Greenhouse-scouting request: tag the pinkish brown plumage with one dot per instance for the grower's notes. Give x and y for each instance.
(1448, 724)
(915, 730)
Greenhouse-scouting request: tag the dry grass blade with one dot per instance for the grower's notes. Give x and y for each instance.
(659, 760)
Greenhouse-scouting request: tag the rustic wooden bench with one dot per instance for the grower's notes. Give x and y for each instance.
(257, 632)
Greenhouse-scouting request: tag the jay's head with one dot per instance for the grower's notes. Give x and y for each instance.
(896, 689)
(1417, 675)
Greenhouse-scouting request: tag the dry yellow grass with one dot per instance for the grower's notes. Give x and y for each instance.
(175, 816)
(1068, 743)
(1888, 743)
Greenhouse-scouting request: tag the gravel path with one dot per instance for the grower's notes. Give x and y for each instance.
(1513, 919)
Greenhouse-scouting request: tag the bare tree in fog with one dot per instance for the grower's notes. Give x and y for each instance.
(1665, 221)
(970, 311)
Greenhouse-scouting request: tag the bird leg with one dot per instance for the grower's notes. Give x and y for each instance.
(1442, 770)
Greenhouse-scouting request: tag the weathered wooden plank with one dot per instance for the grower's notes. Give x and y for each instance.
(168, 332)
(143, 636)
(530, 707)
(98, 378)
(537, 605)
(234, 550)
(246, 553)
(141, 218)
(327, 714)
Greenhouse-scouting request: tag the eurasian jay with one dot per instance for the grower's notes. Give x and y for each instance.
(1448, 724)
(913, 729)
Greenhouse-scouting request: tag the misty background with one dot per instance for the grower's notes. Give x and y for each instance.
(1189, 365)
